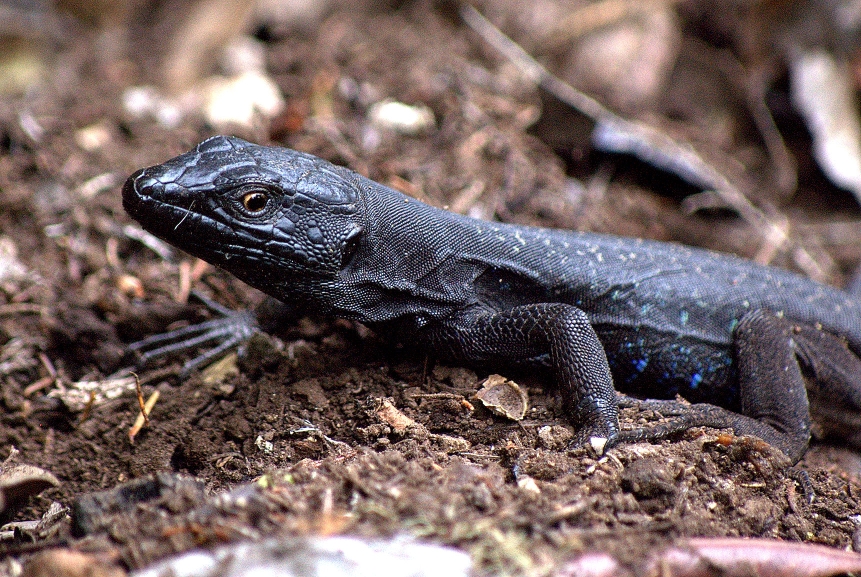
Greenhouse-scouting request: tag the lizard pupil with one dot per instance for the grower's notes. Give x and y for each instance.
(254, 201)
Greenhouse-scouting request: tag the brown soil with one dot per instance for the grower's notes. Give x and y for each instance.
(307, 413)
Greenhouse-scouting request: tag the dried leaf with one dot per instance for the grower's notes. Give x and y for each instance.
(503, 397)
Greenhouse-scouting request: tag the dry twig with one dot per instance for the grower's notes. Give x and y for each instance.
(612, 133)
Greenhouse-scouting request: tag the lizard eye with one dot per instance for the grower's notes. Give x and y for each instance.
(252, 202)
(255, 201)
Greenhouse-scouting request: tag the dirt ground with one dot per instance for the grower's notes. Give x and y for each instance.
(313, 416)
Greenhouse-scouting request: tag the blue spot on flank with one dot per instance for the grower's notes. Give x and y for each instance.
(732, 324)
(640, 364)
(683, 317)
(696, 379)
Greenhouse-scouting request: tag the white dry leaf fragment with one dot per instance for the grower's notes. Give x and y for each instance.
(317, 556)
(265, 446)
(223, 100)
(18, 354)
(11, 268)
(292, 15)
(242, 99)
(243, 54)
(139, 101)
(94, 136)
(147, 102)
(822, 91)
(99, 184)
(528, 484)
(630, 61)
(408, 119)
(598, 444)
(386, 411)
(503, 397)
(19, 482)
(82, 393)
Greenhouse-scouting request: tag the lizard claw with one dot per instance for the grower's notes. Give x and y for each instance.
(600, 444)
(599, 437)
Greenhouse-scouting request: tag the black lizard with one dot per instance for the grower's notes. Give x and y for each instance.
(657, 319)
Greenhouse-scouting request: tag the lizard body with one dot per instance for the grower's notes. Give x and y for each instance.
(654, 318)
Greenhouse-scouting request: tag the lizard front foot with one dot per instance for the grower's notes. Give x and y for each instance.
(228, 331)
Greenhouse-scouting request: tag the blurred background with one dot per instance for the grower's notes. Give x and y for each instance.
(728, 124)
(762, 96)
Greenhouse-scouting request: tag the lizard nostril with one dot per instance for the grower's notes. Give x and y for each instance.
(142, 183)
(136, 188)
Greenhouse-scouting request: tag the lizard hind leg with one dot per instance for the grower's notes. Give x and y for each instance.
(774, 405)
(772, 385)
(833, 374)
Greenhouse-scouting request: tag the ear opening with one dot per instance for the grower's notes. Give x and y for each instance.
(351, 245)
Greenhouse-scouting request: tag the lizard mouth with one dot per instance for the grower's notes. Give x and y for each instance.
(152, 202)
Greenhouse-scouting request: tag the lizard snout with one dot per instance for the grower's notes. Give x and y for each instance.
(137, 190)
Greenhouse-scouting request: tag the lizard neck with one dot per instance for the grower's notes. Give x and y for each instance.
(409, 262)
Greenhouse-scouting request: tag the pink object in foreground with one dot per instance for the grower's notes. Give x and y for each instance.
(727, 557)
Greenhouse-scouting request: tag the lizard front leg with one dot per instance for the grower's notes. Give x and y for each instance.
(582, 374)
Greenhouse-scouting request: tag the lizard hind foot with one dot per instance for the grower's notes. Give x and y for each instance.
(685, 416)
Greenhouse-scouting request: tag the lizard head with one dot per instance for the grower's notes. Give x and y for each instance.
(259, 212)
